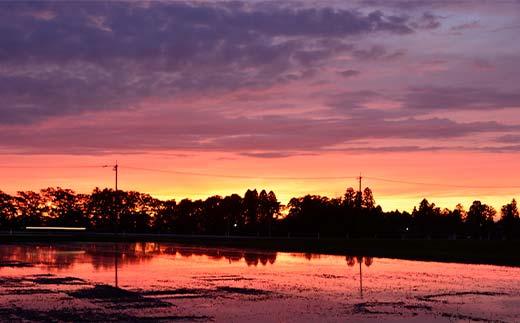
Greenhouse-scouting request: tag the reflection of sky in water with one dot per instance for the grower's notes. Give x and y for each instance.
(316, 279)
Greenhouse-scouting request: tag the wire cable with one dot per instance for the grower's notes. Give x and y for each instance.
(439, 184)
(342, 178)
(302, 178)
(54, 166)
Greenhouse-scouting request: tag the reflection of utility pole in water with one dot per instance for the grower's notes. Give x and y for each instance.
(351, 262)
(116, 256)
(360, 260)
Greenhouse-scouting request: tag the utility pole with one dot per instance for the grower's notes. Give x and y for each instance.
(115, 169)
(360, 177)
(360, 194)
(117, 208)
(116, 201)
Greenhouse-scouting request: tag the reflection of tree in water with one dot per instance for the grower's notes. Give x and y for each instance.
(310, 256)
(251, 258)
(51, 256)
(351, 260)
(102, 255)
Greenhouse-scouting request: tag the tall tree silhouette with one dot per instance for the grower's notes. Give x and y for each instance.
(250, 210)
(368, 199)
(479, 219)
(510, 220)
(30, 209)
(7, 211)
(102, 210)
(163, 221)
(350, 198)
(426, 218)
(233, 213)
(64, 207)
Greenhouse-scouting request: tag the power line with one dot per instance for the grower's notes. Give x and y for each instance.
(342, 178)
(303, 178)
(339, 177)
(52, 167)
(440, 184)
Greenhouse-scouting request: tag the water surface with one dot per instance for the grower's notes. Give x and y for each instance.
(176, 282)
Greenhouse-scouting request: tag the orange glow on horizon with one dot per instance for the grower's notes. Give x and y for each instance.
(458, 178)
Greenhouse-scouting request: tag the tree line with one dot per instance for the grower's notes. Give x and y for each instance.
(353, 215)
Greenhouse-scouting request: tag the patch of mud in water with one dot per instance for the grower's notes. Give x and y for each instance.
(178, 293)
(462, 317)
(404, 309)
(17, 264)
(222, 278)
(242, 291)
(418, 307)
(433, 297)
(117, 298)
(99, 303)
(28, 291)
(57, 280)
(7, 281)
(379, 308)
(330, 276)
(170, 318)
(75, 315)
(382, 311)
(203, 293)
(67, 315)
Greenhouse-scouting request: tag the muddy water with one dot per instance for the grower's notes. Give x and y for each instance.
(169, 282)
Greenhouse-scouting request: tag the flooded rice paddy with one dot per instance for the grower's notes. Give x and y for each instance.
(171, 282)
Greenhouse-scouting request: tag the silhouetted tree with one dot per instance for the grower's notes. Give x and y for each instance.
(163, 221)
(102, 210)
(510, 220)
(479, 219)
(368, 199)
(30, 209)
(350, 198)
(268, 209)
(233, 213)
(64, 207)
(214, 216)
(250, 210)
(427, 218)
(7, 211)
(352, 215)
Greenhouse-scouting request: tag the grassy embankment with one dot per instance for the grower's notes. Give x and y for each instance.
(498, 252)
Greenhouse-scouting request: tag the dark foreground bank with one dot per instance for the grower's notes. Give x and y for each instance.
(495, 252)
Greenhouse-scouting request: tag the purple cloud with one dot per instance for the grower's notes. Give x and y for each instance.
(266, 137)
(431, 98)
(349, 73)
(91, 77)
(64, 58)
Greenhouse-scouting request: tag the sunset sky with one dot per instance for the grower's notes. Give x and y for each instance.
(201, 98)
